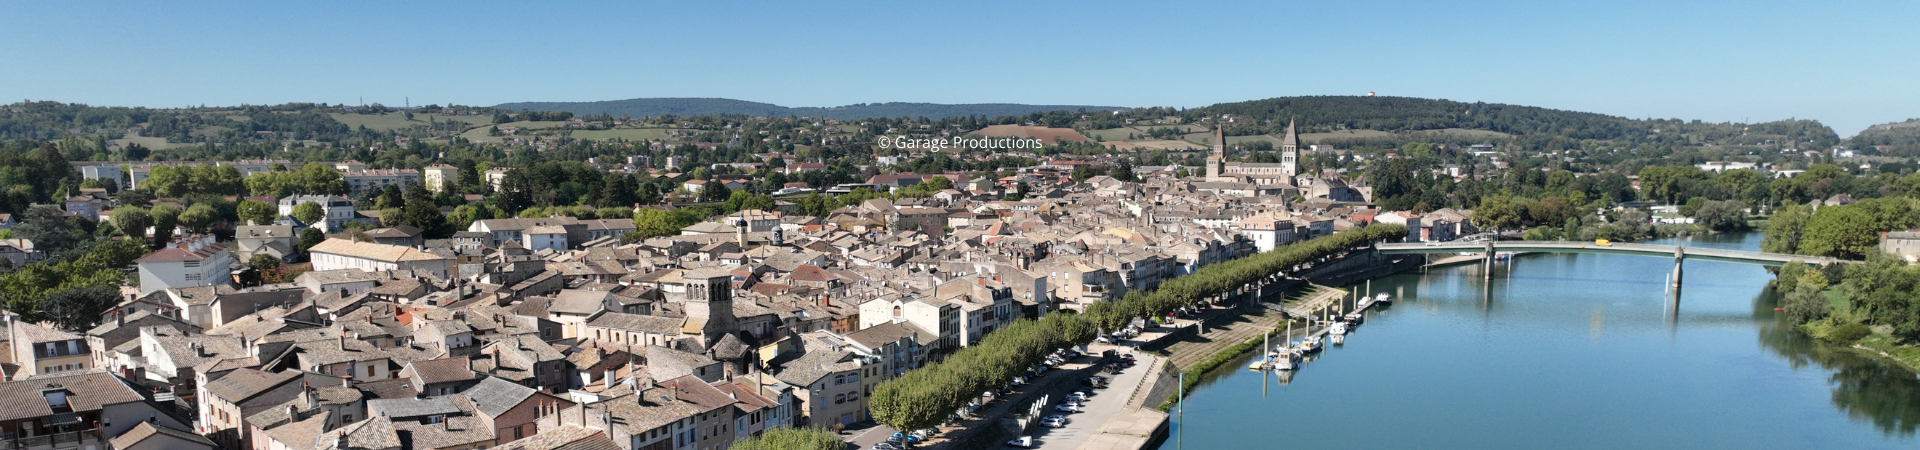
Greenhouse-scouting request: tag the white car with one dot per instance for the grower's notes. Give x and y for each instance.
(1054, 421)
(1022, 442)
(1067, 407)
(1077, 397)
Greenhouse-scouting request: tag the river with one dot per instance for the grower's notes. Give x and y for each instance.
(1566, 352)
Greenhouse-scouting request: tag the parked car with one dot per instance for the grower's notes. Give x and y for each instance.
(1054, 421)
(1078, 396)
(1067, 407)
(1022, 442)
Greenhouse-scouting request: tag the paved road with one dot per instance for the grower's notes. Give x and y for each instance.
(993, 411)
(1105, 402)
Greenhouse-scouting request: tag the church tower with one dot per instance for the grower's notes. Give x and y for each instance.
(709, 305)
(1218, 161)
(1290, 153)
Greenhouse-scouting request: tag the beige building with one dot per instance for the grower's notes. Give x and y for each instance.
(438, 175)
(39, 350)
(336, 254)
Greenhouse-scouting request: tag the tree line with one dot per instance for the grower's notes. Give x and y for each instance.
(925, 397)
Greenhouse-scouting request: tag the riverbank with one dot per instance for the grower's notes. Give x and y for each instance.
(1879, 345)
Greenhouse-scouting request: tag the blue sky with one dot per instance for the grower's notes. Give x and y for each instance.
(1849, 64)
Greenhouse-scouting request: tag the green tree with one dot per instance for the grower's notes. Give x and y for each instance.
(1496, 212)
(264, 262)
(256, 212)
(421, 212)
(791, 439)
(1840, 232)
(78, 308)
(199, 218)
(1722, 215)
(165, 218)
(132, 221)
(1785, 229)
(390, 198)
(715, 191)
(310, 213)
(310, 237)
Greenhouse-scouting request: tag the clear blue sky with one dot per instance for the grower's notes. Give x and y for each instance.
(1849, 64)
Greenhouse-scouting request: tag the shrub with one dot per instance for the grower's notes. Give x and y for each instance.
(1847, 334)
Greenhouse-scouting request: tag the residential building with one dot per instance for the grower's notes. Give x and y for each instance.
(188, 262)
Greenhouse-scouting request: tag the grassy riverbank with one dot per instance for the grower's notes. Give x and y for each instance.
(1879, 344)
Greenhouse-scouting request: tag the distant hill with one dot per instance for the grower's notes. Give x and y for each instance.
(709, 106)
(1891, 139)
(1399, 114)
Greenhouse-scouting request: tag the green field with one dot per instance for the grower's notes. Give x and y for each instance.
(1114, 134)
(1344, 134)
(379, 122)
(631, 134)
(479, 133)
(1465, 133)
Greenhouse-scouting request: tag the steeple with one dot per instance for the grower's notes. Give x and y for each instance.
(1293, 138)
(1218, 161)
(1290, 152)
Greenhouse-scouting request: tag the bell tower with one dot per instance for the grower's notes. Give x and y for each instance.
(1290, 153)
(1217, 162)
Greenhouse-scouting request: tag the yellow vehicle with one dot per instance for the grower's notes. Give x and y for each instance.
(1602, 243)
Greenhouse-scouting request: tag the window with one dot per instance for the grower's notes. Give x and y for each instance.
(193, 277)
(838, 399)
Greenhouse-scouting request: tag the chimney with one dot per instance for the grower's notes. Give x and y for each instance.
(293, 414)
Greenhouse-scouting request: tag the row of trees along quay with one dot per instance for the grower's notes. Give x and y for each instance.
(924, 398)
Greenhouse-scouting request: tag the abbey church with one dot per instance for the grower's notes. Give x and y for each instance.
(1283, 175)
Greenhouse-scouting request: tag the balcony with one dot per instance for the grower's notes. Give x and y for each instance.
(61, 440)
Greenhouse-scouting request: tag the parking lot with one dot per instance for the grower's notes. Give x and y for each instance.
(1105, 402)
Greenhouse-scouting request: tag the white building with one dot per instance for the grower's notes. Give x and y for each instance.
(109, 173)
(545, 237)
(190, 261)
(360, 181)
(336, 254)
(339, 210)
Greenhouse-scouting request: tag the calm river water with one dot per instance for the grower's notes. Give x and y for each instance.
(1567, 352)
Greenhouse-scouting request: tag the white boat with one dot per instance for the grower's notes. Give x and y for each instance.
(1311, 344)
(1338, 329)
(1383, 299)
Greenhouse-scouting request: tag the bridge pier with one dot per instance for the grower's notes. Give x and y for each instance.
(1489, 261)
(1673, 303)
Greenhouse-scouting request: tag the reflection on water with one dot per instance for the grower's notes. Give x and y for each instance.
(1566, 351)
(1868, 389)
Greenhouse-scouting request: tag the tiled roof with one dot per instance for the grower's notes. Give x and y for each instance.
(372, 251)
(87, 391)
(243, 384)
(494, 396)
(147, 429)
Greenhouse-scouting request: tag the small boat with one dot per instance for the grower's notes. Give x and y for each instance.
(1311, 344)
(1383, 299)
(1257, 365)
(1353, 320)
(1338, 329)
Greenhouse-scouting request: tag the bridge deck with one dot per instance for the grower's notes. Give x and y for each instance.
(1658, 250)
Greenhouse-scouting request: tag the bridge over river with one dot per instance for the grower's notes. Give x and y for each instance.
(1678, 253)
